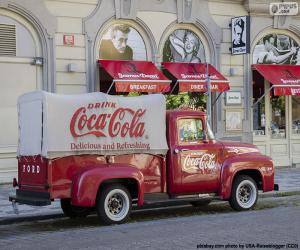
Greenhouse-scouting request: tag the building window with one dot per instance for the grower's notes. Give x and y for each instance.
(296, 114)
(7, 40)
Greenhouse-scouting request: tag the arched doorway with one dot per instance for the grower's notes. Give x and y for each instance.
(21, 71)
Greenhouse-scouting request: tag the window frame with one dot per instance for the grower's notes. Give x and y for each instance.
(188, 143)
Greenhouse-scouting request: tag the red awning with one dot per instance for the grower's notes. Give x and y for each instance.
(135, 76)
(192, 77)
(285, 78)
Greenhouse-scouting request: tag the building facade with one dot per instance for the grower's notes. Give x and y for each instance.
(54, 45)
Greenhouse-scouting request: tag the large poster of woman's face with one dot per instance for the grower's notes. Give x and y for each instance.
(276, 49)
(122, 42)
(183, 46)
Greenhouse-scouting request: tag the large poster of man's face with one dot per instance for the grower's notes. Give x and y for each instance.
(183, 46)
(122, 42)
(276, 49)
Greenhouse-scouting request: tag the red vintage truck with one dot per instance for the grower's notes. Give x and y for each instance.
(96, 151)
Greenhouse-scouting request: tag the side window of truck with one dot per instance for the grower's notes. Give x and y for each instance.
(190, 131)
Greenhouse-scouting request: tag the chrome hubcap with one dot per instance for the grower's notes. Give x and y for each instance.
(245, 193)
(115, 204)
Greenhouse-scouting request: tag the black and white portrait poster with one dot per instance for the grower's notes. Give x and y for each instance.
(276, 49)
(183, 45)
(240, 35)
(122, 42)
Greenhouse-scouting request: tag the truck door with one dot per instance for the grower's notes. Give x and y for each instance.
(198, 160)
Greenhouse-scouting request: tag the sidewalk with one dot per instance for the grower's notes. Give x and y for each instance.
(287, 178)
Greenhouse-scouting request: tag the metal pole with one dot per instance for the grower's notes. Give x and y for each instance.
(112, 84)
(208, 103)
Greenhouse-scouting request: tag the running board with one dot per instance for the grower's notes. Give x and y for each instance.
(161, 198)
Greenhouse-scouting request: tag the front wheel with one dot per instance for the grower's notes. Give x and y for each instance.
(244, 193)
(114, 204)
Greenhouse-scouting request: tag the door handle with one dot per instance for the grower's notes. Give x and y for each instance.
(176, 150)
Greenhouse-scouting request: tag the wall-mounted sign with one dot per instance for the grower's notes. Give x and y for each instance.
(233, 98)
(68, 40)
(284, 9)
(240, 35)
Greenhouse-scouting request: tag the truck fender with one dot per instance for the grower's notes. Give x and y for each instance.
(85, 185)
(256, 162)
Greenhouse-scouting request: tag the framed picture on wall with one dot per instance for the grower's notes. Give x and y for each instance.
(240, 35)
(233, 120)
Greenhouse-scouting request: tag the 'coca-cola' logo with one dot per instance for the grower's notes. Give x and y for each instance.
(121, 122)
(204, 162)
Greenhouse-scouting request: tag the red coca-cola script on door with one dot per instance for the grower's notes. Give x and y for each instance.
(111, 122)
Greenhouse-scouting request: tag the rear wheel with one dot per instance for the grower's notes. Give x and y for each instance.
(73, 211)
(114, 204)
(244, 193)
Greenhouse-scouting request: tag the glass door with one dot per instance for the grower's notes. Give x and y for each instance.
(278, 124)
(270, 124)
(278, 129)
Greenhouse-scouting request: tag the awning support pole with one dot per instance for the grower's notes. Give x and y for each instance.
(260, 98)
(175, 85)
(107, 92)
(208, 103)
(275, 86)
(217, 98)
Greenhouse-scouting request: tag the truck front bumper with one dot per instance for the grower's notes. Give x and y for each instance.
(31, 198)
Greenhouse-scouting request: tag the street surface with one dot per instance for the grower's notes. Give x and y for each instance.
(275, 223)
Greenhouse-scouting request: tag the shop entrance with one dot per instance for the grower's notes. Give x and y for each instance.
(276, 123)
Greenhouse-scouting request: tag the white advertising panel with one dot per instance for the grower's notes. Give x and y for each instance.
(284, 9)
(93, 123)
(233, 98)
(240, 35)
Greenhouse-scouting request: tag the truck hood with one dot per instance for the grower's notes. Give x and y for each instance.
(236, 148)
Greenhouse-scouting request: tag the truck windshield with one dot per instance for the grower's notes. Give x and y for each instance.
(210, 134)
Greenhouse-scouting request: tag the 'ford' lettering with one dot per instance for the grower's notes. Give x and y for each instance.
(31, 169)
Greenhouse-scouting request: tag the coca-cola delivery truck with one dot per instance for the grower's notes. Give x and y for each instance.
(96, 151)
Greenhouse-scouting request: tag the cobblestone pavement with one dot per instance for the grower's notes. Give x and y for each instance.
(274, 227)
(287, 178)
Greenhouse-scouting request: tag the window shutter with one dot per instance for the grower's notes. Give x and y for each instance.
(7, 40)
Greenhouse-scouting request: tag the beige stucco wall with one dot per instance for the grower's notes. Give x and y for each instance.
(222, 12)
(17, 76)
(70, 15)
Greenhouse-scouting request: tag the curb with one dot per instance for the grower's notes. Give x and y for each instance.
(279, 193)
(26, 218)
(58, 214)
